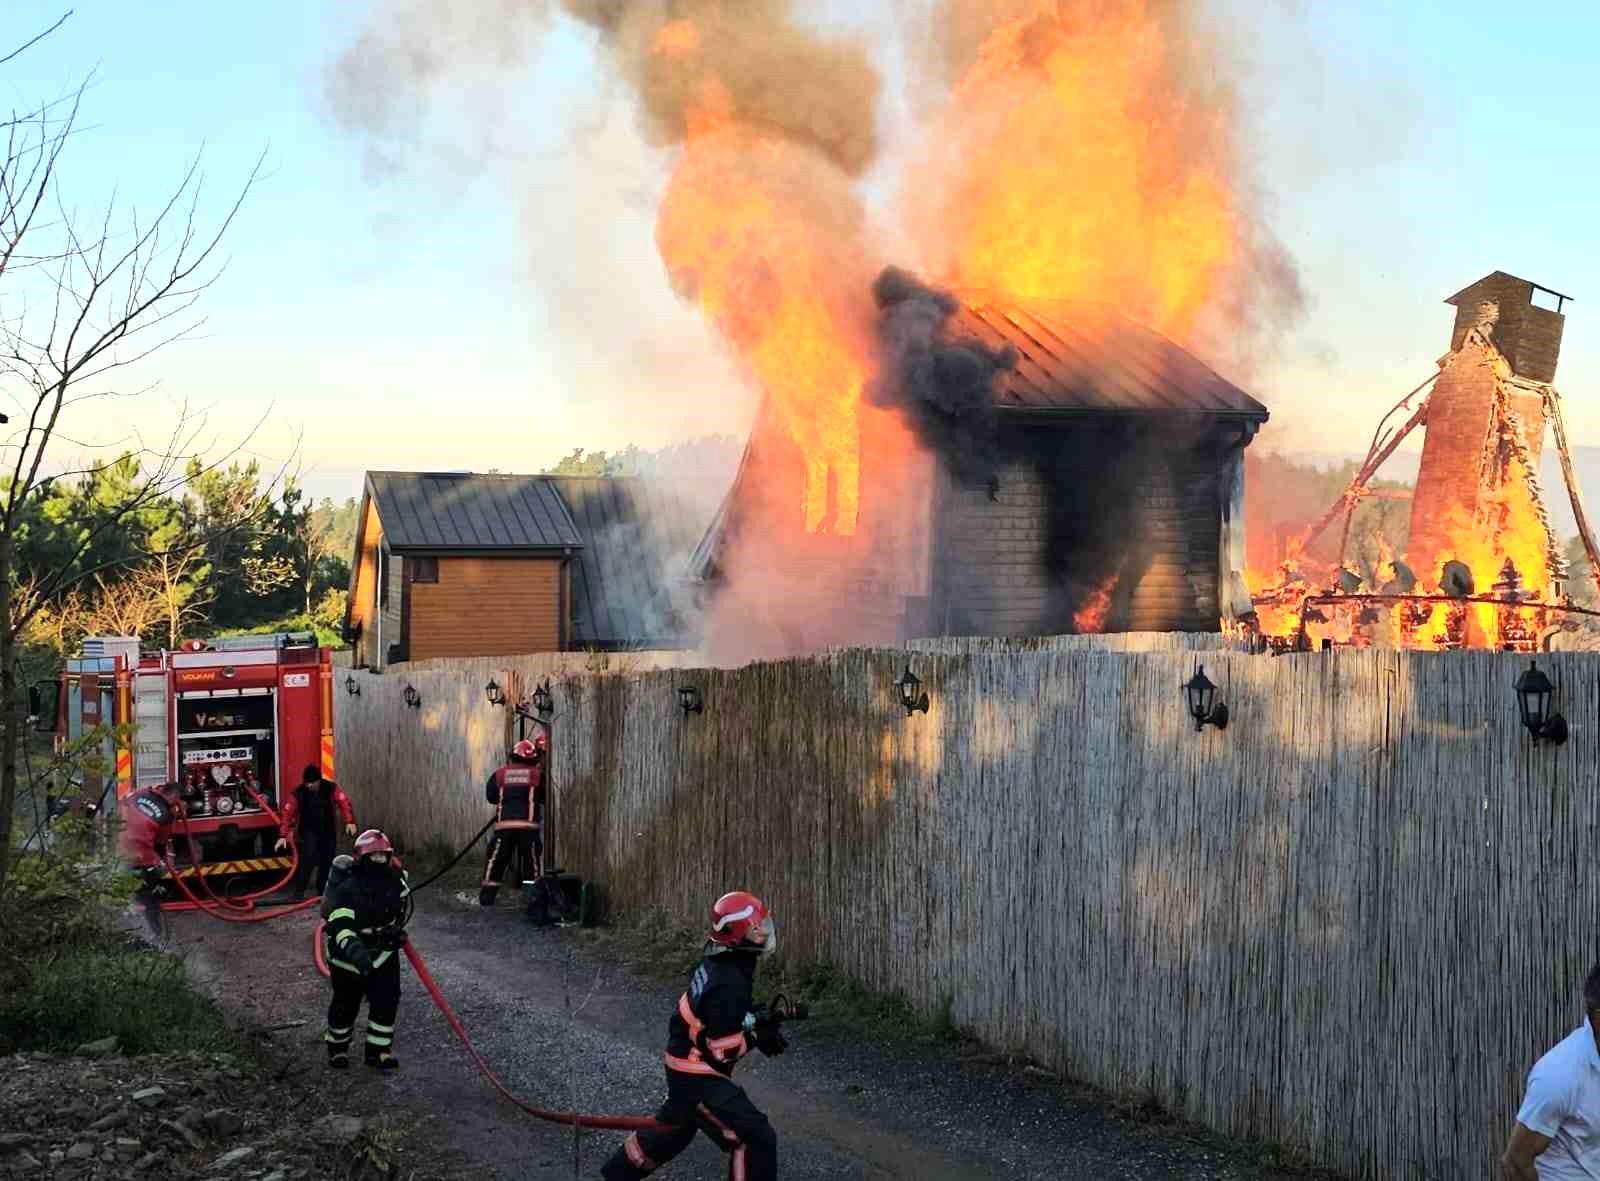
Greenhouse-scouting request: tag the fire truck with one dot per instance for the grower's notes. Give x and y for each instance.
(235, 721)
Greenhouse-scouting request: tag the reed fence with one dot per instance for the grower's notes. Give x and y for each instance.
(1350, 922)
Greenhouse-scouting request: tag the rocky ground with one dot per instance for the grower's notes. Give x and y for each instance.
(96, 1116)
(568, 1027)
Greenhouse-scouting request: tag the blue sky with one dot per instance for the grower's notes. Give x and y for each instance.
(441, 316)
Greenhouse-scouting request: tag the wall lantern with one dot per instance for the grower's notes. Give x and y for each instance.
(543, 703)
(351, 687)
(910, 695)
(1203, 705)
(495, 694)
(412, 697)
(690, 701)
(1534, 692)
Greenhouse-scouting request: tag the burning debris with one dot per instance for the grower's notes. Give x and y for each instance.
(944, 386)
(1478, 517)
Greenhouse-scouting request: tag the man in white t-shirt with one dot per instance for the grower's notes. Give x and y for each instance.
(1557, 1137)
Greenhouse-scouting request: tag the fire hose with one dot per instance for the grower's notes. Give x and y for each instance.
(619, 1123)
(219, 907)
(451, 864)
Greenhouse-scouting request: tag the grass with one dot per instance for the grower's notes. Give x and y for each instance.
(87, 991)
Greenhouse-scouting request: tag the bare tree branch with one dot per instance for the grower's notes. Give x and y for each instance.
(26, 45)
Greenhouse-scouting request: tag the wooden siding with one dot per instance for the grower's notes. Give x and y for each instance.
(485, 607)
(1081, 511)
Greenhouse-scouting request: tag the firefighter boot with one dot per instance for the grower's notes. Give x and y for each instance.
(379, 1058)
(339, 1055)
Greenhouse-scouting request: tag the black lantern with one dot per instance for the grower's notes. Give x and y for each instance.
(1534, 694)
(350, 687)
(1203, 705)
(910, 693)
(412, 697)
(543, 703)
(689, 700)
(495, 694)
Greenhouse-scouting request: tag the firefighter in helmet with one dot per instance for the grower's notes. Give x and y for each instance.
(517, 792)
(148, 817)
(365, 910)
(711, 1029)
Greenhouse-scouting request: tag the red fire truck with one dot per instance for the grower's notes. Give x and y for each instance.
(235, 721)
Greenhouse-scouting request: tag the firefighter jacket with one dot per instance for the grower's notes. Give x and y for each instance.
(517, 791)
(706, 1033)
(311, 805)
(147, 827)
(367, 905)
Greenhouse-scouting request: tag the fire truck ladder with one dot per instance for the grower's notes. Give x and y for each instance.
(150, 728)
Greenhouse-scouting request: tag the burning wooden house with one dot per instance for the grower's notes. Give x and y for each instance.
(1091, 480)
(1482, 566)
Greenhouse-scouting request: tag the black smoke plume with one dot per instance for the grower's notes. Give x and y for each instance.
(944, 385)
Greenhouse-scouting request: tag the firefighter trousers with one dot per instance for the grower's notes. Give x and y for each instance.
(715, 1106)
(315, 847)
(508, 843)
(381, 988)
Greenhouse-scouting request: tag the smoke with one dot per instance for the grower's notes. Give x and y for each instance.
(944, 387)
(768, 70)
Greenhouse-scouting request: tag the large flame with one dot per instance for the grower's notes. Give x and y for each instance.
(1073, 164)
(766, 240)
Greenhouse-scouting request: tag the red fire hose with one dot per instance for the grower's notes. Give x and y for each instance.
(218, 906)
(226, 912)
(619, 1123)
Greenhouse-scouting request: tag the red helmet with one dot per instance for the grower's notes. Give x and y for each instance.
(372, 841)
(740, 921)
(523, 752)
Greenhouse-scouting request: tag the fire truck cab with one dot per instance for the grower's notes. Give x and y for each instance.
(235, 721)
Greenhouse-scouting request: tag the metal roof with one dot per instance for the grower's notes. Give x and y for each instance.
(1088, 358)
(628, 580)
(441, 511)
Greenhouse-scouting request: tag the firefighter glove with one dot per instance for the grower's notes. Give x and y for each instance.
(283, 843)
(355, 953)
(392, 937)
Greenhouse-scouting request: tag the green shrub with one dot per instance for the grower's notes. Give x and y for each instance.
(89, 991)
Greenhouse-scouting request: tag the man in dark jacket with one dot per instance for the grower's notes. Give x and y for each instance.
(517, 792)
(148, 819)
(308, 817)
(711, 1029)
(366, 912)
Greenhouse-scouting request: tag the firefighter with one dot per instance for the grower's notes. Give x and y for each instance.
(308, 815)
(711, 1029)
(148, 816)
(517, 792)
(366, 913)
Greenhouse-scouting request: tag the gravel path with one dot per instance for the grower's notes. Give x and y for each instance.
(566, 1028)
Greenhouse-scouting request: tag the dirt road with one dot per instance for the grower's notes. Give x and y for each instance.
(567, 1029)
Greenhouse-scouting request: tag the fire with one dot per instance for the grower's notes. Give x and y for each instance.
(1073, 165)
(749, 229)
(1090, 617)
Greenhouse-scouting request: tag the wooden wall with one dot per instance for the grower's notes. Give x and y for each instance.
(1022, 558)
(485, 606)
(1351, 921)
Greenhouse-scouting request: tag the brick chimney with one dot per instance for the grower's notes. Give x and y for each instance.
(1498, 328)
(1528, 336)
